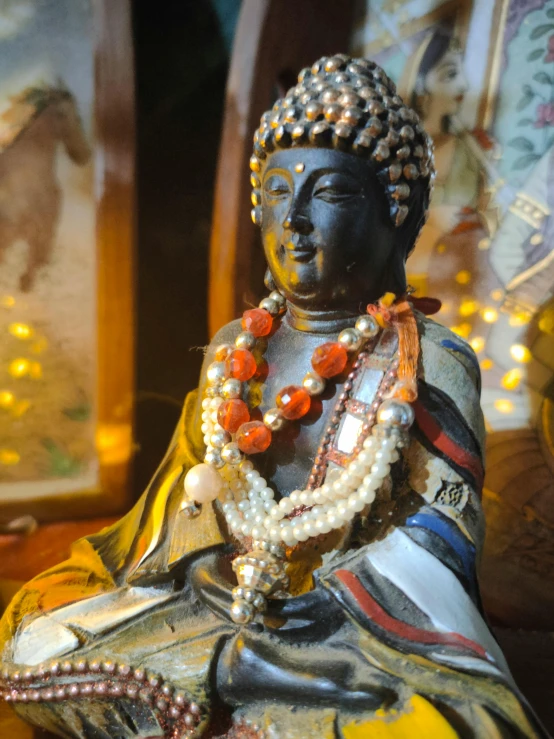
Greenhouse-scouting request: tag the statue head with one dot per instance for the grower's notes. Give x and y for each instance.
(341, 174)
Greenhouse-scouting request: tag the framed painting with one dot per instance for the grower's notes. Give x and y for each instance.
(66, 257)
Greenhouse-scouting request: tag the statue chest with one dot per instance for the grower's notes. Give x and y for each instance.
(303, 451)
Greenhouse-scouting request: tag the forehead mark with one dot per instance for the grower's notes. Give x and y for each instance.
(299, 167)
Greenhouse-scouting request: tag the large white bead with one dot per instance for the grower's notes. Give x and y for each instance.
(203, 483)
(367, 326)
(394, 412)
(351, 339)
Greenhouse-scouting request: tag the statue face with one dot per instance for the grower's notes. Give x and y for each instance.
(326, 230)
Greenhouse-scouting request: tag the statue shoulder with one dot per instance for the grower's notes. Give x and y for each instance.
(447, 360)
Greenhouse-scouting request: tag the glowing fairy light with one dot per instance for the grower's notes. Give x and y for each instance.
(9, 457)
(20, 330)
(477, 344)
(490, 315)
(487, 364)
(503, 405)
(520, 353)
(497, 294)
(521, 318)
(7, 399)
(512, 378)
(468, 307)
(463, 277)
(19, 367)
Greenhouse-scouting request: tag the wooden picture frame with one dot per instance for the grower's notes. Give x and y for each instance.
(110, 361)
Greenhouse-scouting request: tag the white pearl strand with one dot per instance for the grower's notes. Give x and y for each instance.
(248, 502)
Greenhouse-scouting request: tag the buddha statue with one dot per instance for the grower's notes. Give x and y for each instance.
(303, 563)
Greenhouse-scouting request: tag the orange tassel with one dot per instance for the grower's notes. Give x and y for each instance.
(399, 314)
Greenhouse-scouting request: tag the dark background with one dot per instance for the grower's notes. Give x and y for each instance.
(182, 50)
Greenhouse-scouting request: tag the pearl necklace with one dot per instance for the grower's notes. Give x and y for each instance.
(248, 502)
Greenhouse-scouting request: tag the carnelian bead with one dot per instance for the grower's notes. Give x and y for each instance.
(240, 364)
(329, 359)
(253, 437)
(232, 413)
(293, 402)
(258, 321)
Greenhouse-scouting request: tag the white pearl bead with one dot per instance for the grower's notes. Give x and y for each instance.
(295, 497)
(277, 513)
(367, 326)
(327, 491)
(258, 532)
(244, 505)
(216, 402)
(299, 532)
(287, 535)
(310, 529)
(203, 483)
(322, 526)
(206, 403)
(205, 428)
(206, 416)
(334, 519)
(246, 528)
(259, 484)
(251, 476)
(365, 457)
(259, 518)
(370, 443)
(367, 496)
(350, 339)
(286, 505)
(356, 469)
(342, 511)
(318, 497)
(355, 504)
(228, 507)
(275, 533)
(305, 497)
(269, 505)
(246, 466)
(267, 494)
(380, 470)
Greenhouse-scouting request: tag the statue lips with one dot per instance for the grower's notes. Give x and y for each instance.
(299, 249)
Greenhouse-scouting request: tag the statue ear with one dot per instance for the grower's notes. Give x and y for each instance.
(269, 282)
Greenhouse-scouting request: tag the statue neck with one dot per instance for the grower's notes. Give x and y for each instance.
(319, 322)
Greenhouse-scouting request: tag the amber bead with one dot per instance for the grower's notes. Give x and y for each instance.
(232, 413)
(258, 321)
(253, 437)
(329, 359)
(293, 402)
(240, 364)
(222, 352)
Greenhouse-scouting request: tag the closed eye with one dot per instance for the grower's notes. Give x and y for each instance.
(276, 188)
(334, 194)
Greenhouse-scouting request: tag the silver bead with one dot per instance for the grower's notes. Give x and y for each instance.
(313, 384)
(213, 458)
(242, 612)
(367, 326)
(232, 388)
(216, 372)
(395, 413)
(231, 453)
(278, 298)
(219, 438)
(270, 306)
(245, 340)
(273, 419)
(351, 339)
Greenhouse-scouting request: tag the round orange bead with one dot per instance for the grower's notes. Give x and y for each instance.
(329, 359)
(240, 364)
(258, 321)
(232, 413)
(293, 402)
(253, 437)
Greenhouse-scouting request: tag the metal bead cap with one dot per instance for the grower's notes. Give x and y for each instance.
(395, 413)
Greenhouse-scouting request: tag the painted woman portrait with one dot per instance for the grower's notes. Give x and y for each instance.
(435, 85)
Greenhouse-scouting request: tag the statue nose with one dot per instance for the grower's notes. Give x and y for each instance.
(298, 223)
